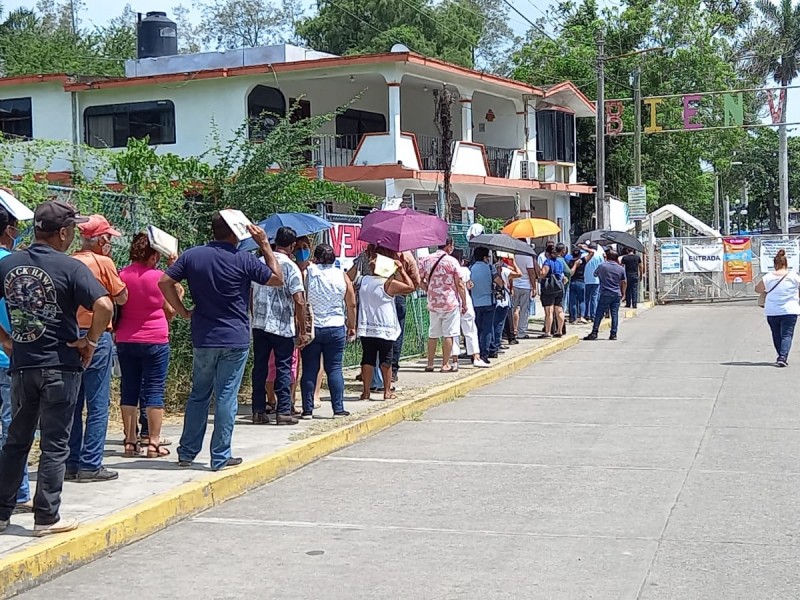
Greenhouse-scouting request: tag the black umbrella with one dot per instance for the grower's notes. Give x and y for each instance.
(502, 242)
(624, 239)
(594, 236)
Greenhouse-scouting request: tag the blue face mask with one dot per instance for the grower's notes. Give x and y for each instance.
(302, 255)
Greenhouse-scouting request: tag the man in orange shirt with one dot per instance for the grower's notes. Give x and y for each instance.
(87, 441)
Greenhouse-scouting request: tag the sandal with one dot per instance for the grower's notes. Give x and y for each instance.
(145, 441)
(448, 369)
(429, 369)
(366, 397)
(391, 396)
(131, 449)
(159, 451)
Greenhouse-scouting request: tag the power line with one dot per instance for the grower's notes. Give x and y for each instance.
(532, 24)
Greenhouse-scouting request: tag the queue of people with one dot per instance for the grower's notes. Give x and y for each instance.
(68, 314)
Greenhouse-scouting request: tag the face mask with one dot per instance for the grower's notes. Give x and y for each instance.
(302, 255)
(105, 249)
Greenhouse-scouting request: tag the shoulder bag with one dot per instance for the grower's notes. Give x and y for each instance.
(762, 297)
(552, 283)
(309, 324)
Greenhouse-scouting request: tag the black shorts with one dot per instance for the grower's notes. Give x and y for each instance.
(376, 351)
(556, 299)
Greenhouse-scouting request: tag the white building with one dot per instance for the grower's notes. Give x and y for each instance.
(514, 142)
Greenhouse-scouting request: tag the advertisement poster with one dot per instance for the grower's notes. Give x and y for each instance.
(670, 258)
(769, 248)
(706, 258)
(637, 202)
(738, 260)
(345, 243)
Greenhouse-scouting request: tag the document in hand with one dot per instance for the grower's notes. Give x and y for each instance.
(384, 266)
(237, 221)
(161, 241)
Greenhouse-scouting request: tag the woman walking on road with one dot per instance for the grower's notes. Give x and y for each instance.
(781, 306)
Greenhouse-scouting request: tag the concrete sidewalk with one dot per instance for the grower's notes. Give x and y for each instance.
(151, 494)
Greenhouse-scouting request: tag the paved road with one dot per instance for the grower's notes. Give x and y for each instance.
(662, 466)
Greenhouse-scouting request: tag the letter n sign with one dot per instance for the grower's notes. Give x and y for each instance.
(614, 110)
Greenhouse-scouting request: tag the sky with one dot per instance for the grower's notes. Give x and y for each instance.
(100, 11)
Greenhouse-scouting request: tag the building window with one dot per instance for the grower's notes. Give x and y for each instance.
(353, 124)
(265, 106)
(16, 118)
(555, 135)
(112, 125)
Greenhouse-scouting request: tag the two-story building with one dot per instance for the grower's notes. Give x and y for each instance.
(514, 148)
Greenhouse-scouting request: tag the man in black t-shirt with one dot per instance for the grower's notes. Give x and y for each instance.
(43, 289)
(633, 273)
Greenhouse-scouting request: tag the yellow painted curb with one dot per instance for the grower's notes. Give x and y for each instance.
(23, 569)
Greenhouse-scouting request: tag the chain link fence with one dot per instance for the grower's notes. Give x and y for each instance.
(677, 281)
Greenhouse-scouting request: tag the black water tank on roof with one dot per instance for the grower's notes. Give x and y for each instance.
(157, 36)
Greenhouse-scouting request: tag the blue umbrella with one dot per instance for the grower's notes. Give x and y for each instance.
(302, 223)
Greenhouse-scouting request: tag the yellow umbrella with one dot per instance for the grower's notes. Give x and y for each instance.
(531, 228)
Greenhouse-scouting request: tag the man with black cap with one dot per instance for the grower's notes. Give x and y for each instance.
(43, 289)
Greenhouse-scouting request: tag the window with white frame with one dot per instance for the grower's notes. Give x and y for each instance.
(16, 118)
(112, 125)
(555, 135)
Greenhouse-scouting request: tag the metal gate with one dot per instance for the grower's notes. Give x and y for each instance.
(687, 286)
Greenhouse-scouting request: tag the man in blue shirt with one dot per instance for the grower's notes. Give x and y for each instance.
(219, 278)
(592, 283)
(8, 236)
(612, 289)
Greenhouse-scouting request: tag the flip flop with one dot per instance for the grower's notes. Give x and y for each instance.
(429, 369)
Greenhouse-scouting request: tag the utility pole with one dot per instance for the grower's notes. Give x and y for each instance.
(783, 163)
(637, 136)
(715, 220)
(727, 210)
(600, 158)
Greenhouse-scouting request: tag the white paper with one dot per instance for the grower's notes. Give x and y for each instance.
(237, 221)
(15, 207)
(384, 266)
(161, 241)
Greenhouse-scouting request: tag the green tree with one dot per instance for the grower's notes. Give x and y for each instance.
(460, 31)
(774, 51)
(247, 23)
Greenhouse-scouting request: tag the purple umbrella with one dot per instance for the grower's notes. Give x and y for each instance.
(403, 229)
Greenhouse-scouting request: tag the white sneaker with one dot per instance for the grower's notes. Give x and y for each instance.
(61, 526)
(480, 364)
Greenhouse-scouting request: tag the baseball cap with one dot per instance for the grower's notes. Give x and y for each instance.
(54, 214)
(97, 225)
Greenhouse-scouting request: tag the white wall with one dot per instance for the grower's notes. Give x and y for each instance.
(468, 159)
(503, 132)
(417, 112)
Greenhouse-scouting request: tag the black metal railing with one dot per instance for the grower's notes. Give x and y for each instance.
(336, 151)
(430, 150)
(499, 160)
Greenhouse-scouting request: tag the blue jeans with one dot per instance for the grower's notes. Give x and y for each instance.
(632, 293)
(144, 373)
(500, 314)
(484, 321)
(86, 444)
(577, 301)
(607, 302)
(218, 371)
(782, 327)
(591, 294)
(329, 345)
(24, 492)
(265, 344)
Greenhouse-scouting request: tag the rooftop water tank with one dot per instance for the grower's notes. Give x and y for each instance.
(156, 36)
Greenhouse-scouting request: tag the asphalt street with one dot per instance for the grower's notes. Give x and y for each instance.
(662, 466)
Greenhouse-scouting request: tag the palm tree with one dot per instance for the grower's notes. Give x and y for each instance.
(774, 52)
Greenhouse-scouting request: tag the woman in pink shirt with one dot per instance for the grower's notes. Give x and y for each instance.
(143, 346)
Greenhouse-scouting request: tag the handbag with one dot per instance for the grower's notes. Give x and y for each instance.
(309, 324)
(552, 283)
(762, 297)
